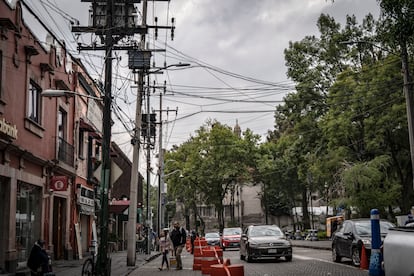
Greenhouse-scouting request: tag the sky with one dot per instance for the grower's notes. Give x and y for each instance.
(235, 48)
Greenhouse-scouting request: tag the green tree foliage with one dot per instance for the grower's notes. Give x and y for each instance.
(347, 113)
(212, 163)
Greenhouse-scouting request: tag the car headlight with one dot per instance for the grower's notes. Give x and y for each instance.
(253, 244)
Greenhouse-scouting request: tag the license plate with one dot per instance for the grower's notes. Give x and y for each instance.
(272, 251)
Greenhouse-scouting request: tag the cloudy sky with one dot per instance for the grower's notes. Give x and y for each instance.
(235, 48)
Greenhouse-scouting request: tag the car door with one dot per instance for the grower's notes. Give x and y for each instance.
(347, 239)
(341, 237)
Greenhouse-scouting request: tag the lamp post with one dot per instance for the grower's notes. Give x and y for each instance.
(407, 88)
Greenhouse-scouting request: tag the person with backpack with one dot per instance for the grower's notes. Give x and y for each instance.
(178, 237)
(38, 261)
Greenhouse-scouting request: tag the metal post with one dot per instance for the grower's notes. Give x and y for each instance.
(376, 256)
(103, 264)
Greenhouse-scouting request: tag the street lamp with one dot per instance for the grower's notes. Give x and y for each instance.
(407, 88)
(51, 93)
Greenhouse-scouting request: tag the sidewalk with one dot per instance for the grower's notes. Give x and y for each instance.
(151, 268)
(118, 264)
(322, 244)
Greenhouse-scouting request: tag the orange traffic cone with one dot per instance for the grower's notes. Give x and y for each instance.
(364, 259)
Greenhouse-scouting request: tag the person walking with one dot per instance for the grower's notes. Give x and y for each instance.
(165, 246)
(38, 261)
(178, 237)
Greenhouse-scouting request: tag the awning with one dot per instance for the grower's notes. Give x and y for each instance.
(118, 206)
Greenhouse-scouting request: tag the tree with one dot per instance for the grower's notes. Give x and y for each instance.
(212, 163)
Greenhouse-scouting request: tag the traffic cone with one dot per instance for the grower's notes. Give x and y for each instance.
(364, 259)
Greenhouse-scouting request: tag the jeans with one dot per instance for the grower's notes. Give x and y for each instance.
(178, 250)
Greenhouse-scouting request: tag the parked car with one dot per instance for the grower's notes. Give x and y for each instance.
(212, 238)
(230, 237)
(398, 251)
(264, 241)
(347, 241)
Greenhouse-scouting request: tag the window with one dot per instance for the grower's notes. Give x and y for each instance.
(34, 102)
(81, 143)
(28, 218)
(62, 122)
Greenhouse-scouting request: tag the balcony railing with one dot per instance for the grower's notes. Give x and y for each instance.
(66, 152)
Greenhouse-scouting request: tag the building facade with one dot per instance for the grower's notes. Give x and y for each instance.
(50, 148)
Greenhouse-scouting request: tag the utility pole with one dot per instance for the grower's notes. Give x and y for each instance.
(408, 92)
(149, 233)
(103, 265)
(160, 172)
(132, 212)
(103, 26)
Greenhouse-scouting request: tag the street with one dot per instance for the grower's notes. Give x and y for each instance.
(306, 261)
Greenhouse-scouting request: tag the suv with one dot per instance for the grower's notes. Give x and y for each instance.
(230, 238)
(264, 241)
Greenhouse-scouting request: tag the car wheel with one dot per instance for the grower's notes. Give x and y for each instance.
(356, 257)
(288, 258)
(335, 256)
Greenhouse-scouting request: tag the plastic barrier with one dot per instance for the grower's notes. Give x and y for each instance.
(227, 269)
(199, 245)
(210, 257)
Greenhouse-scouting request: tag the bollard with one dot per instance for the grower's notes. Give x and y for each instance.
(376, 256)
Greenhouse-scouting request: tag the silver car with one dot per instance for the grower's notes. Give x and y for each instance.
(264, 241)
(212, 238)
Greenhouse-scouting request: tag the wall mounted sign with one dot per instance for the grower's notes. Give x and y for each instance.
(59, 183)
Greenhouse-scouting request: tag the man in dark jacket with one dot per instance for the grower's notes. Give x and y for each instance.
(38, 261)
(178, 237)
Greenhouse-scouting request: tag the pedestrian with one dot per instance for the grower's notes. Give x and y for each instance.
(165, 246)
(38, 261)
(194, 235)
(178, 237)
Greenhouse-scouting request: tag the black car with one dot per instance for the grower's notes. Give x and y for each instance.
(264, 241)
(347, 241)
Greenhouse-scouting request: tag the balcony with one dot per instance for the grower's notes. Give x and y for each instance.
(66, 152)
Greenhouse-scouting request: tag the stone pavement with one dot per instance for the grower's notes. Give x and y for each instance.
(118, 264)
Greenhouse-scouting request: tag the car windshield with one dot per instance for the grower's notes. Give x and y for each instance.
(363, 228)
(212, 235)
(261, 231)
(232, 231)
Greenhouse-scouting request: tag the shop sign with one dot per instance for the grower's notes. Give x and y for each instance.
(59, 183)
(8, 129)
